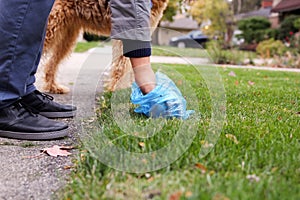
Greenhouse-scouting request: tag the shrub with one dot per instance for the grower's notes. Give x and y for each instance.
(287, 28)
(270, 48)
(254, 29)
(254, 23)
(272, 33)
(220, 56)
(297, 23)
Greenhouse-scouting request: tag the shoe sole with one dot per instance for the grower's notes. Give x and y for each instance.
(35, 136)
(53, 115)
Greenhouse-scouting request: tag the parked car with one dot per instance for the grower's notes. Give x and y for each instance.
(237, 39)
(192, 39)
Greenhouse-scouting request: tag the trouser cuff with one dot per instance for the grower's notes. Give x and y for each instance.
(136, 48)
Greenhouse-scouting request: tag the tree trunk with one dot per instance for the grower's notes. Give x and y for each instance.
(239, 7)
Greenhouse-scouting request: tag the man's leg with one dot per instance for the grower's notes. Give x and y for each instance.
(22, 24)
(30, 87)
(42, 103)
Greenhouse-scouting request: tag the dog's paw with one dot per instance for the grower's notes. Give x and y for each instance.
(57, 89)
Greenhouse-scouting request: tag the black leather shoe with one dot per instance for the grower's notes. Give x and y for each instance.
(43, 104)
(18, 122)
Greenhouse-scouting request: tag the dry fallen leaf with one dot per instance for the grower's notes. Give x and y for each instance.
(232, 138)
(188, 194)
(141, 144)
(201, 167)
(220, 197)
(251, 83)
(150, 179)
(274, 169)
(179, 82)
(57, 151)
(206, 144)
(232, 74)
(145, 161)
(175, 196)
(253, 177)
(68, 167)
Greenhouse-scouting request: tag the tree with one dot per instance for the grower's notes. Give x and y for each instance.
(198, 11)
(171, 10)
(217, 12)
(174, 7)
(241, 6)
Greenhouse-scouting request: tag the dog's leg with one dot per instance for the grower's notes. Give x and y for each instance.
(120, 68)
(50, 84)
(59, 50)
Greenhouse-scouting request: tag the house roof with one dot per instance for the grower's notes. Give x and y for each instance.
(263, 12)
(287, 5)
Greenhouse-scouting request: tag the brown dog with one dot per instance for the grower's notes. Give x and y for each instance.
(67, 19)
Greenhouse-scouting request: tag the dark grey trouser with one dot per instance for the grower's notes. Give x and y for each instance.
(131, 24)
(22, 31)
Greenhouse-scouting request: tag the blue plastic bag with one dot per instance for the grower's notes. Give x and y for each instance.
(164, 101)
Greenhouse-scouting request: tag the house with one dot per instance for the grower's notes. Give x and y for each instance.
(180, 25)
(274, 17)
(266, 11)
(287, 7)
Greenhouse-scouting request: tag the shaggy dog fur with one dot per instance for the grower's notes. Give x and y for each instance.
(70, 17)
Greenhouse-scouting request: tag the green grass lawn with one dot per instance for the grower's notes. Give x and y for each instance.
(175, 51)
(256, 156)
(85, 46)
(196, 52)
(170, 51)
